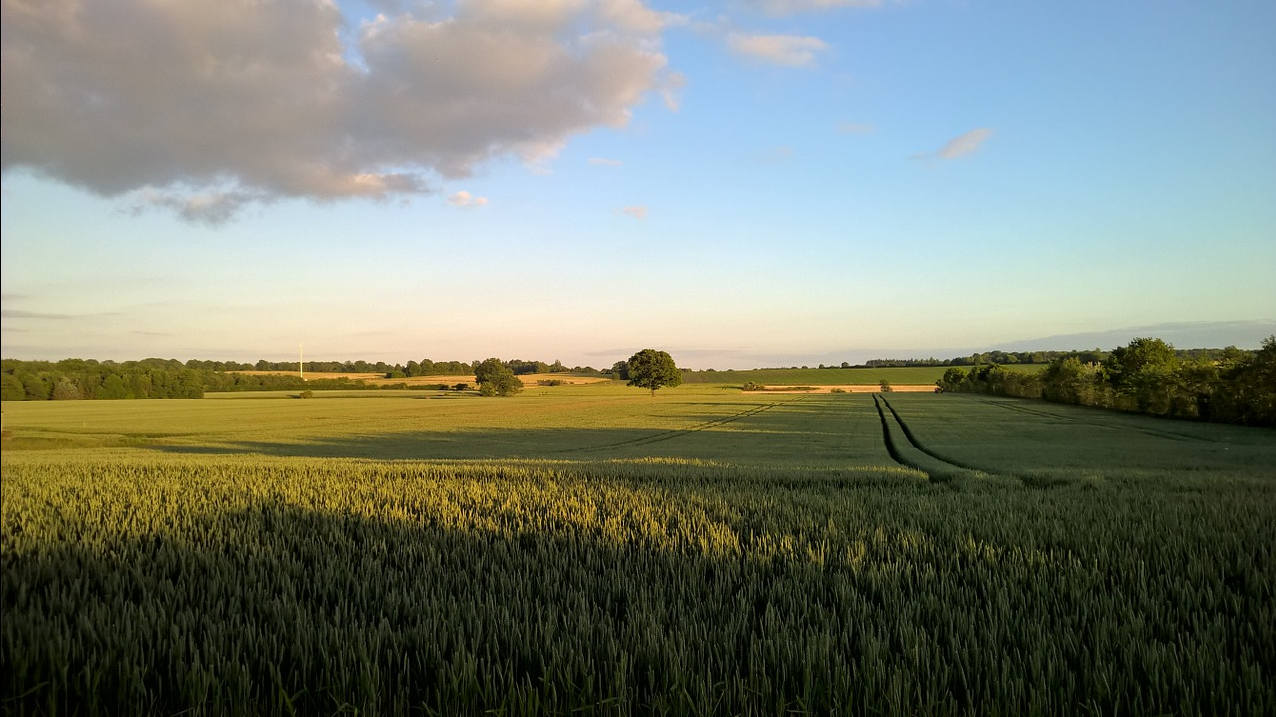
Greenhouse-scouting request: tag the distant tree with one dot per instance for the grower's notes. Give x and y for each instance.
(66, 390)
(1143, 355)
(12, 389)
(113, 387)
(1249, 393)
(952, 380)
(885, 386)
(1144, 372)
(1067, 380)
(496, 379)
(652, 369)
(620, 370)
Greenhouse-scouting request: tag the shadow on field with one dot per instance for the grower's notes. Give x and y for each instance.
(511, 443)
(489, 597)
(278, 609)
(470, 443)
(457, 604)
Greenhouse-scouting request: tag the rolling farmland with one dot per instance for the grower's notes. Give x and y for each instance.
(903, 375)
(592, 549)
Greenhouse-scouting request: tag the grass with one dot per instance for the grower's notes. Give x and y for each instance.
(562, 422)
(1018, 436)
(594, 550)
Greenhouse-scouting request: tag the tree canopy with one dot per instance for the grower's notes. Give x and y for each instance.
(652, 369)
(1147, 376)
(496, 379)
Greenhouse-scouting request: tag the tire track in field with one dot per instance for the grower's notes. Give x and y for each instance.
(1168, 435)
(908, 433)
(679, 432)
(889, 440)
(960, 468)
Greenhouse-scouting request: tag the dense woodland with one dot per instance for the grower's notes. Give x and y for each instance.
(1147, 376)
(74, 379)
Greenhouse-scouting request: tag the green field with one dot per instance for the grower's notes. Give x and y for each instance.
(595, 550)
(902, 375)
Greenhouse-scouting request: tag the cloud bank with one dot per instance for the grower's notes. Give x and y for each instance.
(203, 109)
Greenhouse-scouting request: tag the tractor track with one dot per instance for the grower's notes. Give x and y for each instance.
(950, 467)
(908, 433)
(889, 440)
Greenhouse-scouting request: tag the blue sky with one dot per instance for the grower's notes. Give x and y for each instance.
(747, 183)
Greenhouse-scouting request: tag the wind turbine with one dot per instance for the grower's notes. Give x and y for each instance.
(301, 362)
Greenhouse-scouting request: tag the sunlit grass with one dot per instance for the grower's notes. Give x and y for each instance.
(599, 551)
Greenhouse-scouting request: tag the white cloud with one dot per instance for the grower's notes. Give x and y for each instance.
(964, 144)
(671, 90)
(638, 212)
(465, 199)
(790, 7)
(789, 50)
(602, 162)
(210, 107)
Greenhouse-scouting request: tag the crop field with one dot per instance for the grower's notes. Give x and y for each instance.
(904, 375)
(596, 550)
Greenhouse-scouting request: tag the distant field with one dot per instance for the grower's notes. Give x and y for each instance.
(833, 376)
(566, 422)
(592, 549)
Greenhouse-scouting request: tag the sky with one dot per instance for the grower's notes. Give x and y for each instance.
(744, 183)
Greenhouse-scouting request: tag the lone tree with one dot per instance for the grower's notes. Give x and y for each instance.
(496, 379)
(652, 369)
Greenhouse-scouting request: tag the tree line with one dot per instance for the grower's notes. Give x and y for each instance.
(1146, 376)
(424, 367)
(81, 379)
